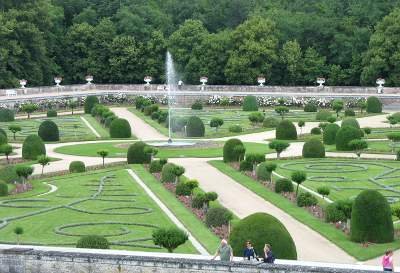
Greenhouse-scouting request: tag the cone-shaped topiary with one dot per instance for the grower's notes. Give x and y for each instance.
(345, 135)
(90, 102)
(262, 228)
(48, 131)
(374, 105)
(137, 154)
(195, 127)
(230, 152)
(330, 133)
(371, 218)
(32, 147)
(6, 115)
(120, 128)
(250, 103)
(350, 122)
(313, 148)
(286, 130)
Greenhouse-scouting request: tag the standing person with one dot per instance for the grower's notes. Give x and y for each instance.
(224, 251)
(387, 261)
(269, 257)
(249, 253)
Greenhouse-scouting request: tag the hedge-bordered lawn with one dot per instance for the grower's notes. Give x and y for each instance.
(374, 147)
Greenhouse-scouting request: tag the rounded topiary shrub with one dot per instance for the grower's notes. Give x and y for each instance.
(323, 115)
(6, 115)
(156, 165)
(313, 148)
(283, 185)
(137, 154)
(262, 172)
(306, 199)
(197, 105)
(3, 188)
(217, 217)
(310, 107)
(77, 167)
(270, 122)
(195, 127)
(90, 102)
(235, 128)
(396, 116)
(349, 113)
(316, 131)
(3, 139)
(374, 105)
(32, 147)
(261, 228)
(250, 103)
(345, 135)
(8, 174)
(48, 131)
(93, 241)
(371, 218)
(120, 128)
(168, 173)
(350, 122)
(286, 130)
(51, 113)
(2, 132)
(330, 132)
(230, 151)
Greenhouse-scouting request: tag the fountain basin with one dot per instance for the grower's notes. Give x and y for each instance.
(171, 143)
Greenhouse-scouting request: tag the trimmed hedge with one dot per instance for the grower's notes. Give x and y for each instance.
(323, 115)
(330, 132)
(261, 228)
(3, 139)
(235, 128)
(120, 128)
(48, 131)
(371, 218)
(270, 122)
(313, 148)
(90, 102)
(306, 199)
(217, 217)
(2, 132)
(136, 153)
(197, 105)
(93, 241)
(3, 188)
(283, 185)
(250, 104)
(262, 172)
(374, 105)
(350, 122)
(345, 135)
(316, 131)
(310, 107)
(51, 113)
(195, 127)
(32, 147)
(286, 130)
(6, 115)
(77, 167)
(8, 174)
(349, 113)
(229, 152)
(156, 165)
(168, 173)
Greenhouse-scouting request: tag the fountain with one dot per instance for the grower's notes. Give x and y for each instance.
(172, 83)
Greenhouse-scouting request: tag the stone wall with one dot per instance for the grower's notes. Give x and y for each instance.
(29, 260)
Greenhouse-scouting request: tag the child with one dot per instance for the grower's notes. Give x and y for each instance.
(387, 261)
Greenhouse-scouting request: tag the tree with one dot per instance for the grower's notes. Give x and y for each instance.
(14, 128)
(18, 231)
(314, 65)
(282, 110)
(216, 123)
(103, 154)
(169, 238)
(43, 160)
(392, 121)
(178, 171)
(367, 131)
(23, 172)
(151, 151)
(29, 108)
(394, 137)
(358, 145)
(337, 106)
(256, 118)
(301, 124)
(298, 177)
(255, 159)
(239, 151)
(362, 104)
(72, 104)
(291, 58)
(279, 146)
(6, 149)
(324, 191)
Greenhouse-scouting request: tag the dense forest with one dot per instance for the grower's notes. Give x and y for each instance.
(291, 42)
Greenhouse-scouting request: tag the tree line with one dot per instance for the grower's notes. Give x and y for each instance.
(290, 42)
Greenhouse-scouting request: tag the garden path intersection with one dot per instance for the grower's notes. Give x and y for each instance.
(310, 244)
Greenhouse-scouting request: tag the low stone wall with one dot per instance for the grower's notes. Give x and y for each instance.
(20, 260)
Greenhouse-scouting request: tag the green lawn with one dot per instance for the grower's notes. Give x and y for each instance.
(119, 210)
(327, 230)
(381, 133)
(119, 149)
(374, 147)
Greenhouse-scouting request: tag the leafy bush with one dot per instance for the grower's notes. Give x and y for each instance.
(150, 109)
(185, 188)
(270, 122)
(217, 217)
(3, 188)
(330, 133)
(168, 174)
(156, 165)
(333, 214)
(260, 228)
(286, 130)
(235, 128)
(6, 115)
(197, 105)
(109, 120)
(169, 238)
(313, 148)
(216, 123)
(374, 105)
(396, 117)
(331, 119)
(245, 166)
(349, 113)
(3, 139)
(323, 115)
(352, 122)
(371, 218)
(90, 102)
(310, 107)
(48, 131)
(256, 117)
(77, 167)
(283, 185)
(137, 153)
(93, 241)
(195, 127)
(250, 104)
(316, 131)
(51, 113)
(306, 199)
(345, 135)
(120, 128)
(8, 174)
(32, 147)
(264, 170)
(324, 191)
(230, 153)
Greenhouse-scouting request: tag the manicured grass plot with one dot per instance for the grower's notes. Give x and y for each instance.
(108, 203)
